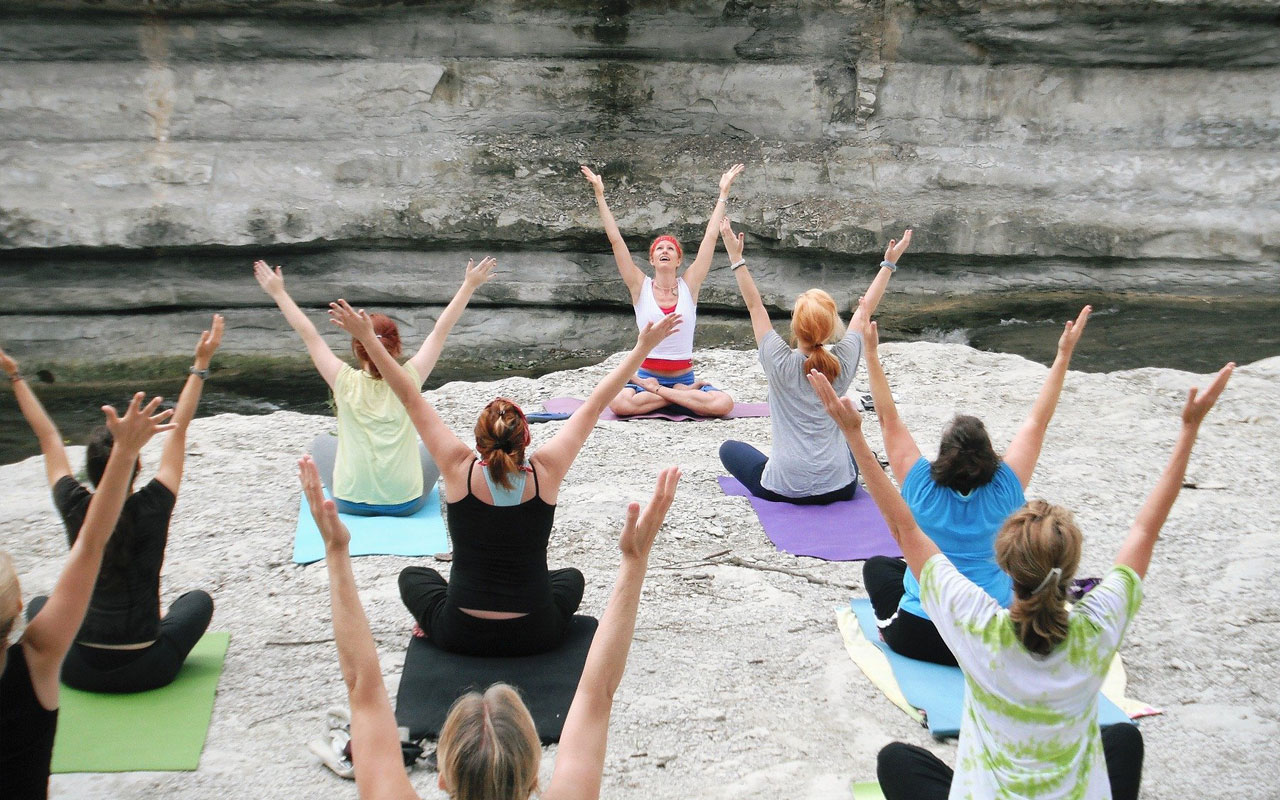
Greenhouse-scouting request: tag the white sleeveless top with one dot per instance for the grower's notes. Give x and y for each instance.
(678, 345)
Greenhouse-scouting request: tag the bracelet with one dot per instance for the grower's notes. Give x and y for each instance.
(742, 262)
(202, 374)
(722, 200)
(15, 377)
(892, 266)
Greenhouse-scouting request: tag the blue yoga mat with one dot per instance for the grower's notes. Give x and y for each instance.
(937, 690)
(422, 534)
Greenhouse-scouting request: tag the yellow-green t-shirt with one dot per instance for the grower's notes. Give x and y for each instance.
(377, 460)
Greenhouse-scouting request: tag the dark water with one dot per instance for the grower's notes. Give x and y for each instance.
(1125, 332)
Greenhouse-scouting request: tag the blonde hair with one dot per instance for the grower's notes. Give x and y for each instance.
(813, 321)
(489, 748)
(1034, 541)
(502, 434)
(10, 597)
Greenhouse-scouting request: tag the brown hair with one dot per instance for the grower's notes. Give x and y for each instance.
(1035, 540)
(502, 434)
(966, 459)
(387, 331)
(10, 597)
(97, 452)
(813, 321)
(489, 748)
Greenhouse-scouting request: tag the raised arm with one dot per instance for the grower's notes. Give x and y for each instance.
(375, 740)
(272, 282)
(1136, 549)
(899, 446)
(733, 244)
(917, 548)
(871, 300)
(580, 758)
(175, 448)
(697, 271)
(476, 275)
(447, 450)
(632, 276)
(556, 456)
(1024, 451)
(56, 465)
(48, 637)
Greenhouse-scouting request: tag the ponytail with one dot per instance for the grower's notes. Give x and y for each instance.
(1039, 547)
(10, 597)
(813, 321)
(502, 434)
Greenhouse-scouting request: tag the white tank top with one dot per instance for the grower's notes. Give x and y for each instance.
(678, 345)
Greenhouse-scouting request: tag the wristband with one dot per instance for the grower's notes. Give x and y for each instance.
(202, 374)
(892, 266)
(15, 377)
(742, 262)
(722, 200)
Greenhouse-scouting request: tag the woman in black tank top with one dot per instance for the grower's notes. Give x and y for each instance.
(501, 599)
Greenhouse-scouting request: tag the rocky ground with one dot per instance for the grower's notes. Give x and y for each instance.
(738, 684)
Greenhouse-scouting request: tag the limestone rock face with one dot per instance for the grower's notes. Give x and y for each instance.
(149, 151)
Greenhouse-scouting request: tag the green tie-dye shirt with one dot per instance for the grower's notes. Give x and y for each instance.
(1030, 726)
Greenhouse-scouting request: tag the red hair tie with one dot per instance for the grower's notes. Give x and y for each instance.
(666, 238)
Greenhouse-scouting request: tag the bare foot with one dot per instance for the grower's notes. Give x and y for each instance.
(649, 384)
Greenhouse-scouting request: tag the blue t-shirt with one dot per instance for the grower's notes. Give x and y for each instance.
(964, 528)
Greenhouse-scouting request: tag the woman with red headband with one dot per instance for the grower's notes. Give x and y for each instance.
(500, 599)
(666, 377)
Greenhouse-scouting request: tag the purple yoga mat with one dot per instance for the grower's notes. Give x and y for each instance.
(567, 405)
(848, 530)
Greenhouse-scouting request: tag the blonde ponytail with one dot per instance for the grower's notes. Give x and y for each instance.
(10, 597)
(488, 748)
(1039, 547)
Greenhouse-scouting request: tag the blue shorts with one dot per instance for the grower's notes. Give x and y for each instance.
(685, 378)
(375, 510)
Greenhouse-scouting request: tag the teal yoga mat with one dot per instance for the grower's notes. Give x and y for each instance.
(163, 729)
(938, 690)
(422, 534)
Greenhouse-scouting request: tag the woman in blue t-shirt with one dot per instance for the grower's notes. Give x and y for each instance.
(960, 499)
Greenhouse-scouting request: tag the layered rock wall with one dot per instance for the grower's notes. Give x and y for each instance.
(150, 151)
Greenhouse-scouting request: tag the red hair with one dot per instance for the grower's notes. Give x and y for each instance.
(668, 238)
(387, 331)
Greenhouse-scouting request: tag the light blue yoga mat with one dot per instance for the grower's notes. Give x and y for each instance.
(937, 690)
(422, 534)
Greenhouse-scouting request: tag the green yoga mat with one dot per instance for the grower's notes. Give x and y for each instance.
(162, 729)
(867, 790)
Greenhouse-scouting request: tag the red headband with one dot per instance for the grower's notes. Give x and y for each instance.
(666, 237)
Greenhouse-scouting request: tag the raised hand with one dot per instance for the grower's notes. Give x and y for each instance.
(1198, 405)
(655, 332)
(139, 422)
(271, 281)
(209, 341)
(642, 526)
(8, 364)
(597, 182)
(323, 510)
(733, 242)
(1073, 330)
(841, 409)
(356, 323)
(897, 247)
(860, 317)
(726, 180)
(479, 274)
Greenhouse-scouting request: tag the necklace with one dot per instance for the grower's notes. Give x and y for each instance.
(672, 289)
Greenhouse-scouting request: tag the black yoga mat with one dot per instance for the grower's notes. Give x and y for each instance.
(433, 679)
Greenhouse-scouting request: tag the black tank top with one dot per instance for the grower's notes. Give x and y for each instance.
(500, 553)
(26, 732)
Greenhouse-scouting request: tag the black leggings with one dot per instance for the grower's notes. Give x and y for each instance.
(909, 635)
(746, 463)
(99, 669)
(907, 772)
(426, 594)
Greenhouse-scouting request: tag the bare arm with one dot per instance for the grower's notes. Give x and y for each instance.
(272, 282)
(446, 449)
(56, 464)
(1024, 450)
(1136, 549)
(375, 740)
(733, 244)
(174, 453)
(899, 445)
(556, 456)
(476, 275)
(697, 271)
(871, 300)
(917, 548)
(632, 276)
(580, 759)
(48, 637)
